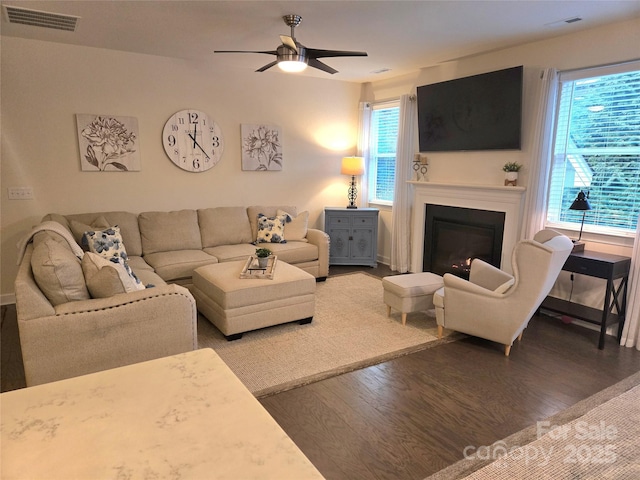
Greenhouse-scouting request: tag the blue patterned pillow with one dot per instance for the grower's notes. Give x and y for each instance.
(106, 243)
(271, 229)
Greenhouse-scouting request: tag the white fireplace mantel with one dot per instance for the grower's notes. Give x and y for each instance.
(496, 198)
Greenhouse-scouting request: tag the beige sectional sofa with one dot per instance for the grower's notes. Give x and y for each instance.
(79, 334)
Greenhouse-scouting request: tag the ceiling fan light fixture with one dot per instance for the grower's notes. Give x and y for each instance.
(292, 66)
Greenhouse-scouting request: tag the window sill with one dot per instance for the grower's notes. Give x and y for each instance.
(384, 206)
(591, 237)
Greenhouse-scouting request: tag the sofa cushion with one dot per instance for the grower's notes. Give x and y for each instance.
(295, 227)
(295, 252)
(58, 273)
(169, 231)
(224, 226)
(271, 229)
(138, 264)
(179, 264)
(229, 253)
(149, 278)
(269, 211)
(106, 277)
(79, 228)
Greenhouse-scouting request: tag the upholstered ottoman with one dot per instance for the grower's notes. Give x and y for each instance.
(236, 305)
(412, 292)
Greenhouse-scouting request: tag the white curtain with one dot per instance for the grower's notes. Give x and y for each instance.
(535, 207)
(631, 330)
(401, 212)
(364, 125)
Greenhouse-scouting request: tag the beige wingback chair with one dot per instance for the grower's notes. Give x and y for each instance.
(495, 305)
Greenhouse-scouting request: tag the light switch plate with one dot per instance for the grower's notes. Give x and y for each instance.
(20, 193)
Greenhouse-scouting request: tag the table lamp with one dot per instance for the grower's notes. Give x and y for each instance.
(580, 203)
(352, 166)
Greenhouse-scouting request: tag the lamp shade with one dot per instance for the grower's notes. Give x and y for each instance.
(581, 202)
(352, 166)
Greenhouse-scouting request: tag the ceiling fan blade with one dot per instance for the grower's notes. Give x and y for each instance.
(321, 66)
(316, 53)
(289, 42)
(269, 52)
(267, 66)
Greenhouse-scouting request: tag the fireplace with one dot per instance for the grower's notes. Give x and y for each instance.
(454, 236)
(492, 198)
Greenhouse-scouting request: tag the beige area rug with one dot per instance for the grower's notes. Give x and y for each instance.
(597, 438)
(350, 330)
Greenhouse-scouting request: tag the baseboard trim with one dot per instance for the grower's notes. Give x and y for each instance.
(7, 298)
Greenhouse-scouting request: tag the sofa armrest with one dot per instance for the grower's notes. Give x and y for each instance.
(321, 240)
(93, 335)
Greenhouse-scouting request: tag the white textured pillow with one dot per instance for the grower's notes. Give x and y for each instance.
(108, 277)
(295, 228)
(58, 273)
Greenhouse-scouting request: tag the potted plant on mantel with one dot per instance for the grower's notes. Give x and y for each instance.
(263, 256)
(511, 170)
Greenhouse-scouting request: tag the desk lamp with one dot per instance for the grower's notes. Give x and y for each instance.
(580, 203)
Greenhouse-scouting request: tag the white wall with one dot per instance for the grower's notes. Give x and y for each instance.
(45, 84)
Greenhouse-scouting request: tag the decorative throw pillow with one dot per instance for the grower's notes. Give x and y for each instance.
(78, 229)
(108, 277)
(295, 228)
(107, 243)
(271, 229)
(58, 273)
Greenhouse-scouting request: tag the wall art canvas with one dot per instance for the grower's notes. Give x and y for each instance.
(261, 147)
(108, 143)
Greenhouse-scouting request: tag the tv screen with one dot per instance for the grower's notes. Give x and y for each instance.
(481, 112)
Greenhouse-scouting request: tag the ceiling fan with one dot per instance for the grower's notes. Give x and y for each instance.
(292, 56)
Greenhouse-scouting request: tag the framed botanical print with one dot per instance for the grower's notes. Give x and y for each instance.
(261, 147)
(108, 143)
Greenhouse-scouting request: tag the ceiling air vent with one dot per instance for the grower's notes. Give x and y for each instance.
(37, 18)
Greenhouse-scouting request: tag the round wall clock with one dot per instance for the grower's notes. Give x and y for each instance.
(192, 140)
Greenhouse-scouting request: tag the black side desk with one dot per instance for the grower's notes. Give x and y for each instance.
(599, 265)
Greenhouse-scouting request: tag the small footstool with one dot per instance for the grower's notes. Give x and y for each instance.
(236, 305)
(412, 292)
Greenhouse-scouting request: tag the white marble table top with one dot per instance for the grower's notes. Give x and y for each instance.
(181, 417)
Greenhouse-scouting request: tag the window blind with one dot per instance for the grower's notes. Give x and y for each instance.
(384, 139)
(597, 149)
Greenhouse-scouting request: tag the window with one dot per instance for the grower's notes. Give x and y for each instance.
(383, 140)
(597, 150)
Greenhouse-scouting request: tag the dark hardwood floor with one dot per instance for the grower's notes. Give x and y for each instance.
(412, 416)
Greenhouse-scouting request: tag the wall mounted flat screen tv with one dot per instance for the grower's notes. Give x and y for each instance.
(481, 112)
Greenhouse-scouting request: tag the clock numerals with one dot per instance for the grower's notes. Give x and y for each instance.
(193, 141)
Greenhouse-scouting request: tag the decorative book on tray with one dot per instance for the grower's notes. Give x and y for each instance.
(251, 268)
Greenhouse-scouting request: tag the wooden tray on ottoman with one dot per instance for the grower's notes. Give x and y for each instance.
(252, 270)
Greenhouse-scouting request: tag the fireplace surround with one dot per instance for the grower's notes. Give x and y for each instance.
(508, 201)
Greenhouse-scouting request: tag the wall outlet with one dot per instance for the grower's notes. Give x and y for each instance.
(20, 193)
